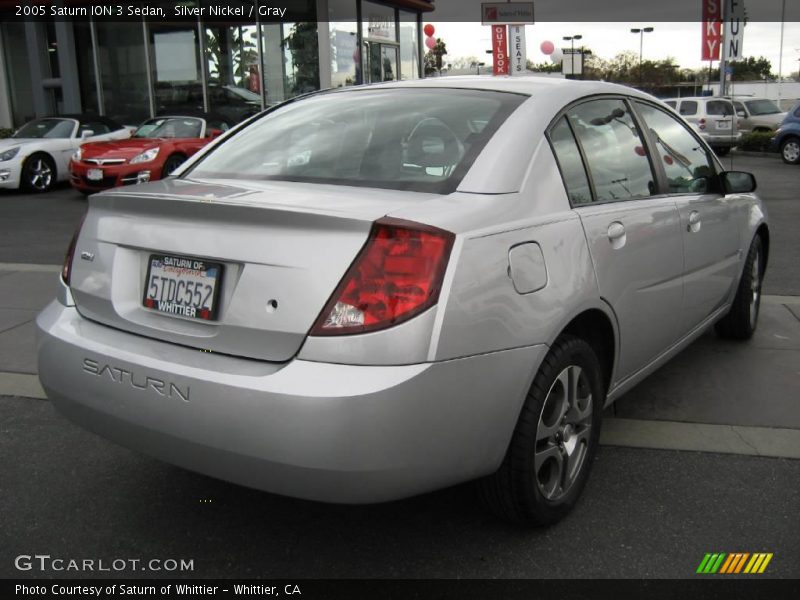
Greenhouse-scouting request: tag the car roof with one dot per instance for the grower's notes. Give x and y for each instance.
(531, 85)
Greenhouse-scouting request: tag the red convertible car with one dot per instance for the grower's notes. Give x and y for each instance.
(155, 150)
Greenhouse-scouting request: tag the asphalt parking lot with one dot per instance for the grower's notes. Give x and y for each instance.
(702, 457)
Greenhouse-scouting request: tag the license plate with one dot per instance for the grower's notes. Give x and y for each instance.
(94, 174)
(723, 124)
(183, 286)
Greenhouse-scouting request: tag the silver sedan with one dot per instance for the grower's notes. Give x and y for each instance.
(370, 293)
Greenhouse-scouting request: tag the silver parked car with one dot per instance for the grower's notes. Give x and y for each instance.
(713, 118)
(370, 293)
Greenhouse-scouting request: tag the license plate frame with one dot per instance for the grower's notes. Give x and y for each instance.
(183, 265)
(94, 174)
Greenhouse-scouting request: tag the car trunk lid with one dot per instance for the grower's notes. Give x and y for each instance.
(283, 247)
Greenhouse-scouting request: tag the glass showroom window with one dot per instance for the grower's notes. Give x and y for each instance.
(345, 54)
(232, 66)
(409, 45)
(123, 71)
(301, 56)
(175, 63)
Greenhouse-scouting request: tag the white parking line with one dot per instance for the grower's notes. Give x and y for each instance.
(30, 268)
(21, 384)
(701, 437)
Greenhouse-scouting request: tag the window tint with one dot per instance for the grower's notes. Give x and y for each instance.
(688, 107)
(614, 150)
(739, 106)
(684, 158)
(719, 108)
(570, 163)
(671, 103)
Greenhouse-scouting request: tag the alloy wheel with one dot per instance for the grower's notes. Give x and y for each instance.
(41, 175)
(563, 432)
(755, 289)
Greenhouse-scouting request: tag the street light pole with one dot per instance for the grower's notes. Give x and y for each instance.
(572, 38)
(641, 31)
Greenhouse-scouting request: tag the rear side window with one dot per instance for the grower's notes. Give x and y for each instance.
(688, 108)
(614, 150)
(406, 139)
(719, 108)
(685, 160)
(671, 103)
(570, 163)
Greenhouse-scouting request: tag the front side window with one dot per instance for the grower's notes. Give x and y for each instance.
(684, 158)
(614, 150)
(46, 128)
(411, 139)
(762, 107)
(570, 163)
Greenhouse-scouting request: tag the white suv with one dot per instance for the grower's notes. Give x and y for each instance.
(713, 117)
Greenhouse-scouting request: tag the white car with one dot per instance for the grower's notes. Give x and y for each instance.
(38, 154)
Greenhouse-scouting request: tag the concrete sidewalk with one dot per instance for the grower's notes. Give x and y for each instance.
(716, 396)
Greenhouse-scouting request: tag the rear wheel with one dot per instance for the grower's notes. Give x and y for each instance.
(740, 323)
(172, 163)
(555, 440)
(722, 150)
(790, 150)
(38, 173)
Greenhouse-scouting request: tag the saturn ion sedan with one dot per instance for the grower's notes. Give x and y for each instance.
(368, 294)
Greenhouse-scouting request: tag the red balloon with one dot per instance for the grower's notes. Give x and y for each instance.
(430, 43)
(429, 30)
(547, 47)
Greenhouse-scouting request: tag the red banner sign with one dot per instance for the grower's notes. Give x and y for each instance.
(712, 29)
(500, 49)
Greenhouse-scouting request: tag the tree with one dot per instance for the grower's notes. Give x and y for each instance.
(433, 57)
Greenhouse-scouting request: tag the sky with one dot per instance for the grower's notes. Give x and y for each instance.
(679, 40)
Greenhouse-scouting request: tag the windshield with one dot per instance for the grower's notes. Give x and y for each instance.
(762, 107)
(410, 139)
(46, 128)
(178, 127)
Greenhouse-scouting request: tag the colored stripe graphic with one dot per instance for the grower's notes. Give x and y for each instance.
(733, 563)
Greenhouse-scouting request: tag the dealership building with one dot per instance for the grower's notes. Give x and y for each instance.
(133, 69)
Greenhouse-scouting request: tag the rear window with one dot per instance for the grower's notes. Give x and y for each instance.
(407, 139)
(719, 107)
(688, 107)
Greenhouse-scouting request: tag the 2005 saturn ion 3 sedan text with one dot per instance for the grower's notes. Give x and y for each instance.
(367, 294)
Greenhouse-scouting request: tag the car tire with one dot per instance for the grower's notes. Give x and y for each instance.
(38, 173)
(540, 479)
(790, 150)
(722, 150)
(741, 322)
(173, 162)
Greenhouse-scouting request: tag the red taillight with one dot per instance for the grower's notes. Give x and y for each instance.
(397, 275)
(702, 124)
(66, 270)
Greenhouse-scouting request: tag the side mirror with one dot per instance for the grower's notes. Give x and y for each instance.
(738, 182)
(212, 133)
(86, 133)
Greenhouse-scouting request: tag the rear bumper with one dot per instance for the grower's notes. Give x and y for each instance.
(335, 433)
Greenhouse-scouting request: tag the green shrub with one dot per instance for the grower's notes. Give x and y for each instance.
(757, 141)
(5, 132)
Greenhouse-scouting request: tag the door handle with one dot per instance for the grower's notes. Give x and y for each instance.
(694, 222)
(616, 235)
